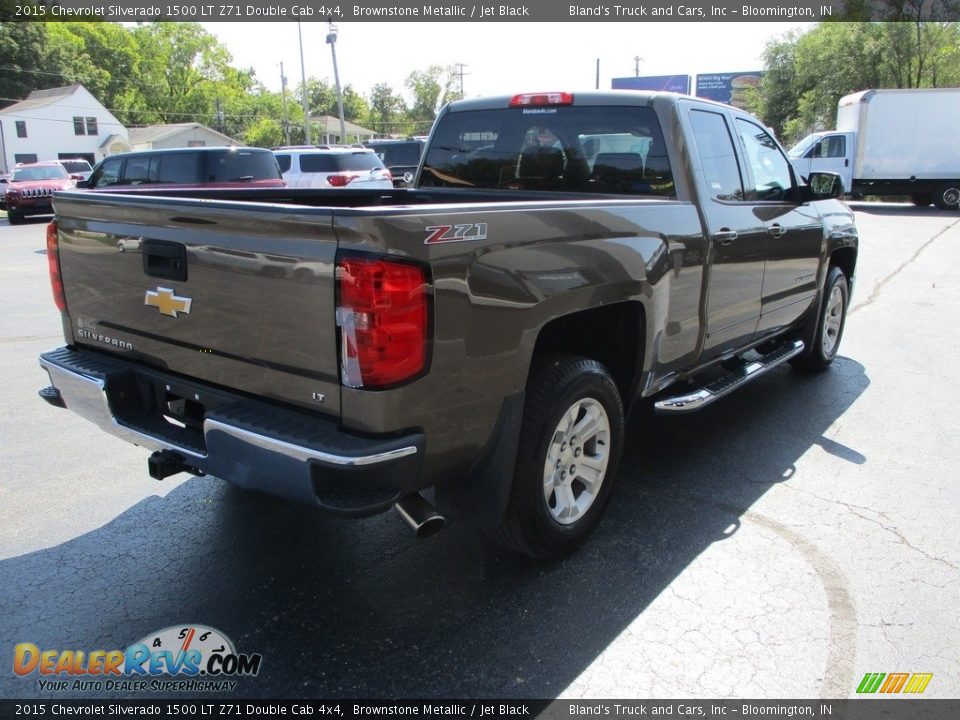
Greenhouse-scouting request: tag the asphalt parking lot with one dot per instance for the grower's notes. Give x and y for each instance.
(780, 544)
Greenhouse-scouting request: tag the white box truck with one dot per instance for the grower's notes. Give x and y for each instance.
(891, 142)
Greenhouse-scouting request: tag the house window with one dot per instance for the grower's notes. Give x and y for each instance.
(21, 128)
(84, 125)
(25, 158)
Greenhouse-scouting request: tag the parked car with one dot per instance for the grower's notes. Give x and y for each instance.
(224, 167)
(78, 168)
(402, 157)
(333, 167)
(31, 187)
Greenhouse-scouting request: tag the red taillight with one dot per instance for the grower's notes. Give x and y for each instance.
(540, 99)
(53, 263)
(339, 180)
(382, 316)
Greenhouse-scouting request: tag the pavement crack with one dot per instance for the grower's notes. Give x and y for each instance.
(880, 285)
(902, 539)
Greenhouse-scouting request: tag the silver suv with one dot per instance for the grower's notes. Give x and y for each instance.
(332, 167)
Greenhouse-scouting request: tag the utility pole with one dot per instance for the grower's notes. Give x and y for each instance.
(306, 104)
(461, 73)
(219, 116)
(598, 73)
(636, 65)
(283, 99)
(332, 42)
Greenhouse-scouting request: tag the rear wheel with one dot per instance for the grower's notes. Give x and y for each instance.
(947, 196)
(823, 339)
(570, 444)
(14, 218)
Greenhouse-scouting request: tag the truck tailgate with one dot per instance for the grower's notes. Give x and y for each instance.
(240, 295)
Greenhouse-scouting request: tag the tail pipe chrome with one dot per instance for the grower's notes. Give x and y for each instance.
(420, 515)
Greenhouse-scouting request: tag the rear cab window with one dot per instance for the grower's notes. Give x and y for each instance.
(594, 149)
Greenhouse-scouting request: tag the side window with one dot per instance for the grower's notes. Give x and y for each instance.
(833, 146)
(177, 168)
(108, 174)
(771, 171)
(836, 146)
(716, 150)
(137, 171)
(284, 162)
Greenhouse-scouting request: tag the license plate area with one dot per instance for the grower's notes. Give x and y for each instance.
(164, 408)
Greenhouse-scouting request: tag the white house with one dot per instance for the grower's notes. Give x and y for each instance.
(178, 135)
(58, 123)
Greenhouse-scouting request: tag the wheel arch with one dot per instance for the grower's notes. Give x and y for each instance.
(845, 258)
(610, 334)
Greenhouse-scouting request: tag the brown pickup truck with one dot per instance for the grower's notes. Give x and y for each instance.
(466, 348)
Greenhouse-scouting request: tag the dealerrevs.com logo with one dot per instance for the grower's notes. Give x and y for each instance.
(185, 658)
(894, 683)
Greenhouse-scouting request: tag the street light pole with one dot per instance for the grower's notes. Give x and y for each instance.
(332, 42)
(306, 104)
(283, 99)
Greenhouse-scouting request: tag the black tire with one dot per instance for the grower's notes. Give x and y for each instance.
(536, 523)
(922, 199)
(14, 218)
(947, 196)
(824, 330)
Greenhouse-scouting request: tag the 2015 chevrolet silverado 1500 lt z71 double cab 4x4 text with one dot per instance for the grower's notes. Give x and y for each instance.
(477, 339)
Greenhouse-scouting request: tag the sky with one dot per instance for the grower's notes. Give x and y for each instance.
(499, 58)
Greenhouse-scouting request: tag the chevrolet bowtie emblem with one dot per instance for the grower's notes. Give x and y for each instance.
(166, 302)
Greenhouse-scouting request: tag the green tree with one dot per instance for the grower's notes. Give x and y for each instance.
(431, 89)
(264, 132)
(386, 111)
(185, 74)
(808, 73)
(22, 49)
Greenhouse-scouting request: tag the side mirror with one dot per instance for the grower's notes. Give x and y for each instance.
(82, 184)
(4, 180)
(824, 185)
(76, 177)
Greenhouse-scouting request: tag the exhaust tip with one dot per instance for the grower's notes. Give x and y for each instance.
(420, 515)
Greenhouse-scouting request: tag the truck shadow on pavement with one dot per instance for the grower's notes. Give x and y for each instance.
(359, 609)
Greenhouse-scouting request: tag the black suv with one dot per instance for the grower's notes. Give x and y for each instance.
(225, 167)
(402, 157)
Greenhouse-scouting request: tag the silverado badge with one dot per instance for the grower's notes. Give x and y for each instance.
(167, 302)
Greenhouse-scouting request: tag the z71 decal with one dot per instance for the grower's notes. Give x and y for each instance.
(455, 233)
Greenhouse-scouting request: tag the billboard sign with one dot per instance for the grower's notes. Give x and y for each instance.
(732, 88)
(665, 83)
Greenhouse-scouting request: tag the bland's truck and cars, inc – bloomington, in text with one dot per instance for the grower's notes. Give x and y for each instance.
(468, 347)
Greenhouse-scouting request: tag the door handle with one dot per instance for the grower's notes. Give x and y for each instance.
(164, 260)
(776, 230)
(725, 236)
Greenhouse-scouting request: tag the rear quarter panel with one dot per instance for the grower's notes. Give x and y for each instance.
(492, 297)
